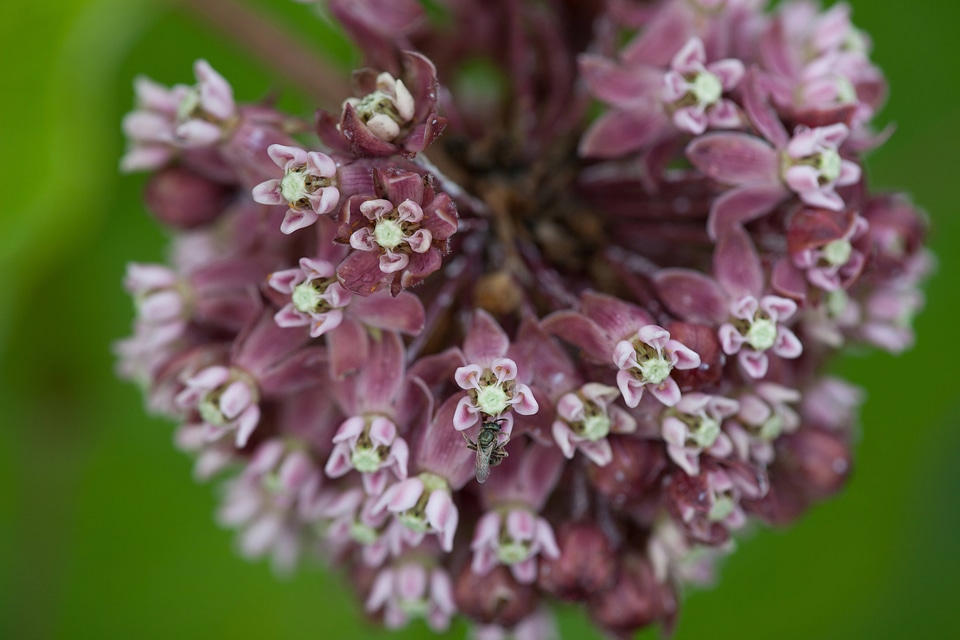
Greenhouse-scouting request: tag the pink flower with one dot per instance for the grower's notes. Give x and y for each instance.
(694, 426)
(490, 378)
(317, 299)
(398, 239)
(308, 186)
(757, 327)
(226, 400)
(513, 537)
(586, 417)
(408, 589)
(694, 90)
(422, 504)
(181, 117)
(647, 360)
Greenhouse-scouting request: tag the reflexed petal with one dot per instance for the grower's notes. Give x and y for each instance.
(787, 345)
(690, 58)
(350, 429)
(666, 392)
(235, 398)
(466, 414)
(562, 435)
(630, 387)
(246, 423)
(754, 363)
(442, 514)
(296, 219)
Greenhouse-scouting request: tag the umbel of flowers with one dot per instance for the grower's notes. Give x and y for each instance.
(549, 327)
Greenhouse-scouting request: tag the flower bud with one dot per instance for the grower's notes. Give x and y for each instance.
(634, 601)
(494, 598)
(585, 566)
(817, 460)
(183, 199)
(635, 467)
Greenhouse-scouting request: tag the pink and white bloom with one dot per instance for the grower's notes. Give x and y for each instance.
(269, 499)
(490, 378)
(386, 109)
(422, 504)
(513, 537)
(694, 90)
(812, 165)
(352, 519)
(646, 362)
(381, 404)
(317, 299)
(166, 119)
(694, 427)
(764, 415)
(308, 186)
(391, 228)
(757, 327)
(371, 445)
(586, 417)
(226, 399)
(409, 589)
(399, 235)
(538, 626)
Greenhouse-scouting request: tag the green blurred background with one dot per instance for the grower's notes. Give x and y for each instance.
(103, 533)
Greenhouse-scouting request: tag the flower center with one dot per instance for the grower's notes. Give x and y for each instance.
(306, 297)
(375, 104)
(722, 507)
(707, 88)
(209, 408)
(836, 303)
(189, 105)
(772, 428)
(415, 607)
(365, 459)
(595, 427)
(705, 432)
(414, 518)
(830, 164)
(388, 233)
(362, 533)
(272, 484)
(846, 93)
(837, 252)
(293, 186)
(512, 552)
(762, 334)
(655, 370)
(492, 400)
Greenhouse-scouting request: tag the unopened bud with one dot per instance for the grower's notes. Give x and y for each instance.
(585, 566)
(819, 460)
(635, 467)
(634, 601)
(702, 340)
(183, 199)
(495, 598)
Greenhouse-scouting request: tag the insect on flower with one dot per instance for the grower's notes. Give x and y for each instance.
(490, 452)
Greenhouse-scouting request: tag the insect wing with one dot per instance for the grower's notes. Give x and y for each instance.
(482, 466)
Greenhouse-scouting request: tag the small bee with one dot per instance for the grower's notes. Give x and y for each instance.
(489, 452)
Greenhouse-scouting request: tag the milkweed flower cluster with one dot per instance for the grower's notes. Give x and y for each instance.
(541, 313)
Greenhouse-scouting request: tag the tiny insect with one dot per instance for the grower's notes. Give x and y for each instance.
(489, 452)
